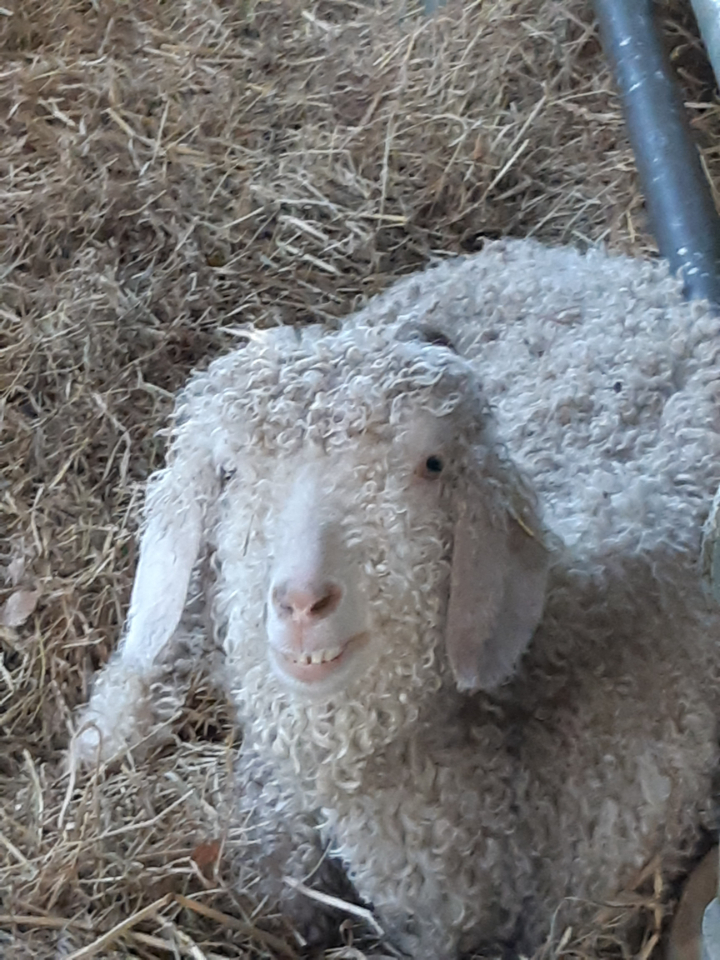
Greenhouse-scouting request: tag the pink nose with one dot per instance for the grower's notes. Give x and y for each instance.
(308, 602)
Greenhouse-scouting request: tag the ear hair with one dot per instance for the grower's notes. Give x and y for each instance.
(497, 589)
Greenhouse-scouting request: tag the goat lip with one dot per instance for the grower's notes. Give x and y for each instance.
(315, 672)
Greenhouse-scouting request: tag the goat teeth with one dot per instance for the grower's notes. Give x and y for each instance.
(318, 656)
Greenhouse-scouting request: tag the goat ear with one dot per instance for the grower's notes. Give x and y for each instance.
(169, 547)
(119, 714)
(497, 592)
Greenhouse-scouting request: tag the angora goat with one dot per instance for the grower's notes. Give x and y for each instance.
(519, 445)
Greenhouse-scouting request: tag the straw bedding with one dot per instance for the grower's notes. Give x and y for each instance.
(172, 169)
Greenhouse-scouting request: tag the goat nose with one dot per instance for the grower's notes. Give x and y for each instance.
(307, 602)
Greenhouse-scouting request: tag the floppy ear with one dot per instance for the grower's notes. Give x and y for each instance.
(497, 591)
(169, 546)
(120, 713)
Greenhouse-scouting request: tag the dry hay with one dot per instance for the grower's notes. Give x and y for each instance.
(169, 170)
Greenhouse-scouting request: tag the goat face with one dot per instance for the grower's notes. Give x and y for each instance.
(370, 525)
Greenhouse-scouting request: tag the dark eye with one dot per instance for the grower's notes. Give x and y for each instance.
(226, 474)
(433, 467)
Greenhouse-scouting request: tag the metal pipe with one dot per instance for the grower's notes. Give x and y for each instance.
(707, 14)
(677, 194)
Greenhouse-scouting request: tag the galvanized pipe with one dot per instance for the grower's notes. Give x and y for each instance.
(677, 194)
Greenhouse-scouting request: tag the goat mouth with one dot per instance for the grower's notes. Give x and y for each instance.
(319, 664)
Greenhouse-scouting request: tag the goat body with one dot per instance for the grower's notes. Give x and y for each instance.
(389, 521)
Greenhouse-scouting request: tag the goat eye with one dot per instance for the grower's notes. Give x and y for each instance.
(226, 474)
(433, 467)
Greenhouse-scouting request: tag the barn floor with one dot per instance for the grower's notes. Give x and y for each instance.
(169, 171)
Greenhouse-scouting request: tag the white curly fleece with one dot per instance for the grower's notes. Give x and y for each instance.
(582, 403)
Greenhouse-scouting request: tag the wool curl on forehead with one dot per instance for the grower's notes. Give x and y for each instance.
(289, 387)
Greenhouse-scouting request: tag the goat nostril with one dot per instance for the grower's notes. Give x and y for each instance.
(321, 605)
(310, 602)
(327, 603)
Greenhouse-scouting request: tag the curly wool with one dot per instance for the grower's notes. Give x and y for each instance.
(467, 819)
(599, 373)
